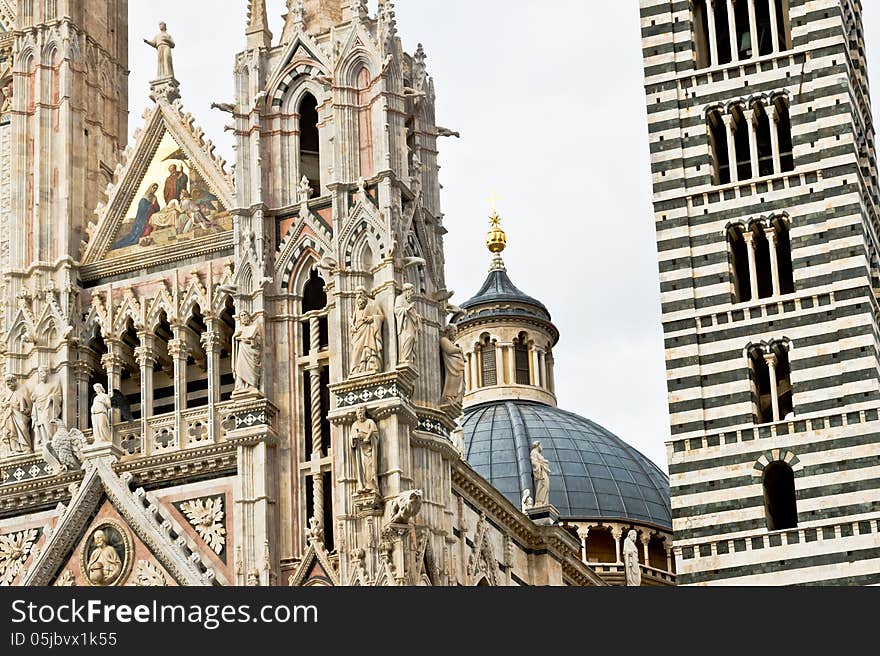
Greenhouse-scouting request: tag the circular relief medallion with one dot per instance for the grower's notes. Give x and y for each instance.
(107, 555)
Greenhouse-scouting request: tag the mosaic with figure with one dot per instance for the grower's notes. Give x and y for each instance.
(172, 204)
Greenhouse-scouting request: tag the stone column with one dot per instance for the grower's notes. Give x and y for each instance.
(583, 533)
(731, 147)
(713, 35)
(113, 364)
(753, 28)
(511, 362)
(146, 358)
(536, 373)
(179, 353)
(616, 535)
(646, 541)
(749, 238)
(773, 115)
(499, 364)
(773, 241)
(211, 342)
(753, 141)
(82, 372)
(772, 363)
(317, 439)
(668, 558)
(731, 23)
(542, 367)
(774, 26)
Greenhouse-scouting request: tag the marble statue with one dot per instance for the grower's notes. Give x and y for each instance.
(527, 502)
(104, 565)
(409, 325)
(631, 561)
(15, 414)
(248, 357)
(454, 362)
(62, 452)
(366, 335)
(102, 409)
(48, 406)
(365, 443)
(406, 506)
(163, 43)
(541, 476)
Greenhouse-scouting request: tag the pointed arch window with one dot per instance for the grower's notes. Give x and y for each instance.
(310, 142)
(780, 496)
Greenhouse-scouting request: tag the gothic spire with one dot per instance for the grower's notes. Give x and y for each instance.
(258, 34)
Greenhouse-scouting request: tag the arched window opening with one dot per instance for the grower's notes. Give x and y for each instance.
(771, 380)
(521, 359)
(743, 31)
(227, 329)
(310, 143)
(722, 31)
(197, 363)
(783, 128)
(131, 375)
(763, 265)
(784, 24)
(315, 300)
(163, 374)
(742, 144)
(701, 34)
(489, 363)
(410, 144)
(764, 140)
(365, 124)
(600, 546)
(780, 497)
(763, 27)
(783, 257)
(719, 147)
(739, 258)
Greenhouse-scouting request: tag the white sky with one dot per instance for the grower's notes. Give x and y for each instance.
(549, 99)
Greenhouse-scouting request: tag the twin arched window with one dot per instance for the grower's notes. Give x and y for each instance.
(771, 382)
(750, 140)
(727, 31)
(760, 258)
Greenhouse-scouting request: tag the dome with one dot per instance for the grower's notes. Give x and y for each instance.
(594, 474)
(499, 288)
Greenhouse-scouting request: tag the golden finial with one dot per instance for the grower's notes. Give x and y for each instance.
(496, 240)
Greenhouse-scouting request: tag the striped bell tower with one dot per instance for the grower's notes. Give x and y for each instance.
(765, 200)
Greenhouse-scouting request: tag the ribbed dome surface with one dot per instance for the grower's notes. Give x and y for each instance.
(499, 288)
(594, 474)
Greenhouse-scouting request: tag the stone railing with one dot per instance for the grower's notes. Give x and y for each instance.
(615, 573)
(165, 434)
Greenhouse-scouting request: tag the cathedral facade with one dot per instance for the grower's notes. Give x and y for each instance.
(251, 374)
(765, 194)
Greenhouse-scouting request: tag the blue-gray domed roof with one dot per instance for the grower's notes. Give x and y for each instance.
(499, 288)
(594, 474)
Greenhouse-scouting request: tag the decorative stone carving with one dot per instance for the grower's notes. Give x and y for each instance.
(631, 561)
(207, 518)
(163, 43)
(409, 325)
(14, 551)
(48, 399)
(147, 575)
(314, 532)
(454, 363)
(66, 580)
(248, 356)
(15, 424)
(365, 443)
(102, 409)
(64, 451)
(406, 507)
(366, 335)
(527, 502)
(106, 555)
(541, 476)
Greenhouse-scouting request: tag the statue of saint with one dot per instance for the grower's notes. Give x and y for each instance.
(631, 561)
(248, 356)
(454, 363)
(366, 335)
(102, 409)
(163, 43)
(409, 325)
(105, 566)
(541, 476)
(48, 400)
(365, 442)
(15, 419)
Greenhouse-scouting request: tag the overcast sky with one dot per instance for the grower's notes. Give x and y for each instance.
(549, 99)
